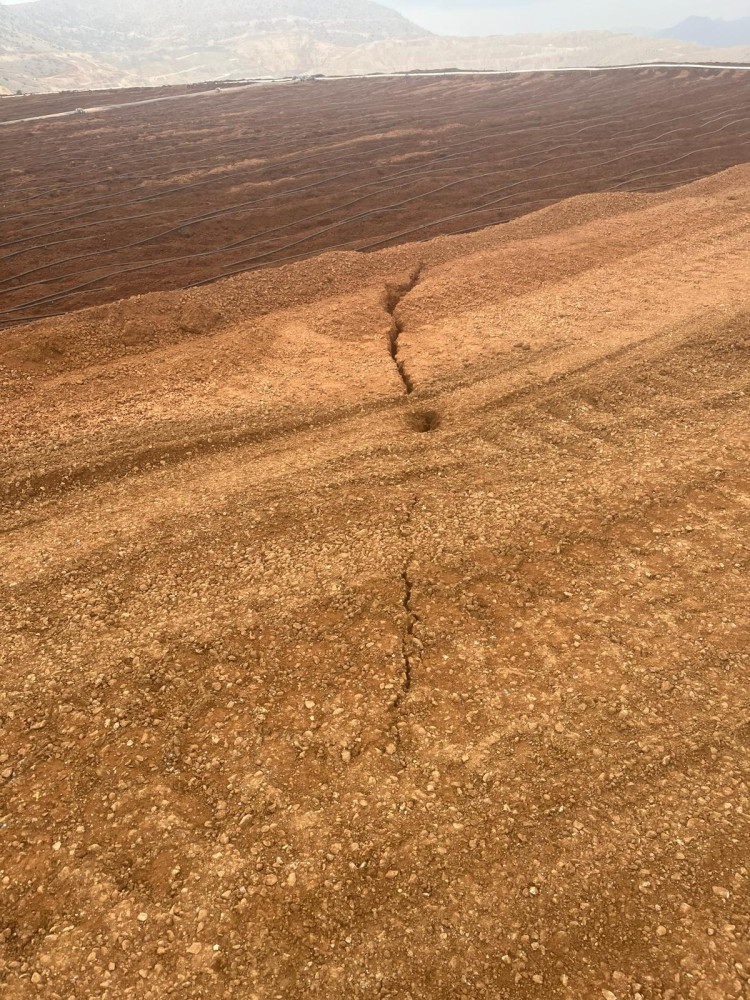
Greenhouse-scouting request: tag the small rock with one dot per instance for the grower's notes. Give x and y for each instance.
(270, 880)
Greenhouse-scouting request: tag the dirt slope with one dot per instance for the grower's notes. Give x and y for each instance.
(186, 191)
(378, 625)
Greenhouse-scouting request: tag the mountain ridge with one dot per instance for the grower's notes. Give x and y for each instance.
(713, 31)
(343, 22)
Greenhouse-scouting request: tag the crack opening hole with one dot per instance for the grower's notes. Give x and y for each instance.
(423, 421)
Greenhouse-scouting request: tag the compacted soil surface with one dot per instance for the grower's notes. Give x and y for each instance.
(377, 625)
(117, 201)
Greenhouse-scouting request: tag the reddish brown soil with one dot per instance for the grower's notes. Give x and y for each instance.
(160, 196)
(315, 687)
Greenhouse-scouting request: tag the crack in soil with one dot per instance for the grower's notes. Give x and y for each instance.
(410, 654)
(410, 645)
(394, 295)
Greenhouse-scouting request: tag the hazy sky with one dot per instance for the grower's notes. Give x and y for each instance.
(484, 17)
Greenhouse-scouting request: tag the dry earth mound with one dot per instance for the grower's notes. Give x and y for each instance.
(378, 625)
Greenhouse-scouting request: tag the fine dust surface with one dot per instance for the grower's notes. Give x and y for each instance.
(378, 625)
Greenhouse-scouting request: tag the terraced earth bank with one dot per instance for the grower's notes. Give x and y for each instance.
(377, 625)
(161, 196)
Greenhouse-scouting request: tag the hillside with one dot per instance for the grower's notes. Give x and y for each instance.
(49, 45)
(524, 52)
(108, 25)
(357, 164)
(378, 625)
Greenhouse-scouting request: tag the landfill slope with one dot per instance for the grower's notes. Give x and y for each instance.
(377, 625)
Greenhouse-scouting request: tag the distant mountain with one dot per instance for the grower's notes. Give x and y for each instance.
(99, 26)
(563, 50)
(50, 45)
(710, 31)
(74, 44)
